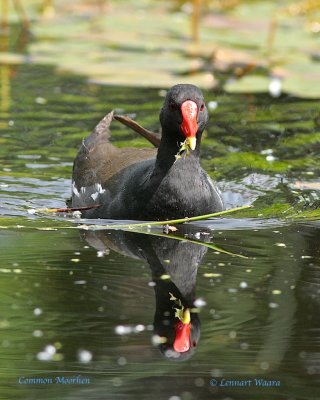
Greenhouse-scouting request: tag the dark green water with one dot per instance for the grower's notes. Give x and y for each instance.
(257, 293)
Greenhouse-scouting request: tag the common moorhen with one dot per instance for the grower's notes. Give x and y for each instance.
(130, 183)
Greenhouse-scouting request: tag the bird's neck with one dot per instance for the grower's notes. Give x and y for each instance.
(169, 151)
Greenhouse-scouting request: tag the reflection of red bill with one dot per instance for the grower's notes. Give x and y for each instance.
(182, 338)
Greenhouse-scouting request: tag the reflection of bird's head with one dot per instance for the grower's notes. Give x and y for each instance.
(170, 351)
(180, 337)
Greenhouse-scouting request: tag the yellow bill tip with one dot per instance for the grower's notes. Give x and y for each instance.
(192, 142)
(186, 316)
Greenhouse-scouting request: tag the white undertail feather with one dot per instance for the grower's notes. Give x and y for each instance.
(75, 190)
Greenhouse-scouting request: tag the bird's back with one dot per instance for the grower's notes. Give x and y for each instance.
(98, 162)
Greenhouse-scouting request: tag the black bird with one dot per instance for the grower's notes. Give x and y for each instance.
(143, 184)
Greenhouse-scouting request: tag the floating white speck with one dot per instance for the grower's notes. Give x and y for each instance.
(270, 158)
(151, 284)
(123, 330)
(17, 270)
(139, 328)
(273, 305)
(83, 282)
(244, 346)
(243, 285)
(199, 382)
(50, 349)
(276, 291)
(232, 290)
(200, 303)
(232, 334)
(47, 354)
(84, 356)
(37, 333)
(40, 100)
(43, 356)
(37, 311)
(212, 105)
(102, 253)
(264, 365)
(117, 382)
(122, 361)
(275, 87)
(281, 244)
(75, 260)
(156, 340)
(266, 152)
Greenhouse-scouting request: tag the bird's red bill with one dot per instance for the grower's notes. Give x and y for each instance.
(189, 126)
(182, 340)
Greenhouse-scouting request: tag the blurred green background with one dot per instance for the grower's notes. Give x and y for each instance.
(238, 45)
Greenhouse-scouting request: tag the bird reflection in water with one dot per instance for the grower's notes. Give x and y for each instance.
(173, 264)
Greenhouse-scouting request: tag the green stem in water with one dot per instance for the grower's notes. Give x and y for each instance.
(184, 239)
(169, 222)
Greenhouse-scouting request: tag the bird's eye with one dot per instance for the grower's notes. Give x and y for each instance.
(202, 107)
(173, 106)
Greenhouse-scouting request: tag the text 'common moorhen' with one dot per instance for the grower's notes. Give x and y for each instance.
(145, 184)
